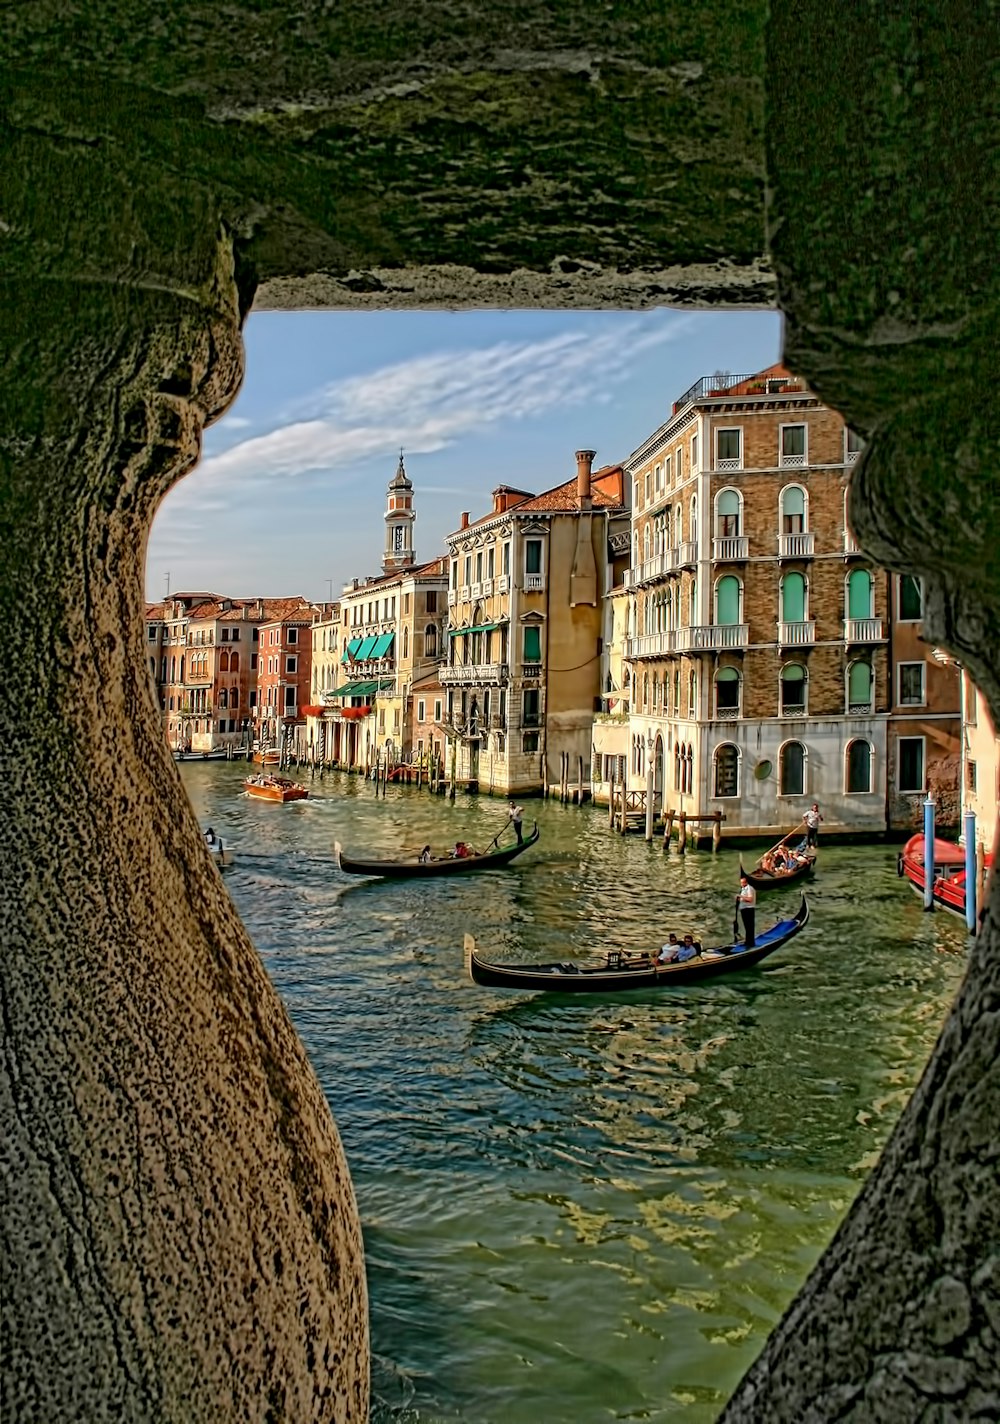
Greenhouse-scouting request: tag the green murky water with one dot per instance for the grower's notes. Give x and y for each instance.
(588, 1209)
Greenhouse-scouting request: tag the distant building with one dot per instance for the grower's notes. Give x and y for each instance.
(980, 769)
(284, 669)
(526, 622)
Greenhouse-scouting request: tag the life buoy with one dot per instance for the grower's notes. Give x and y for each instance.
(899, 866)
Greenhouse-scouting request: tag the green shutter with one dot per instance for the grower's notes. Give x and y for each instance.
(793, 599)
(532, 645)
(859, 683)
(728, 600)
(859, 594)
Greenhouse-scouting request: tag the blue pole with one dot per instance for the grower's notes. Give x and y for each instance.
(970, 871)
(929, 853)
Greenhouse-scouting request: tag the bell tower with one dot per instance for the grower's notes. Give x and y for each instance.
(399, 517)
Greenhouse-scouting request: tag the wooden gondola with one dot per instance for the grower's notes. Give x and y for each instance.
(621, 971)
(775, 879)
(414, 868)
(949, 871)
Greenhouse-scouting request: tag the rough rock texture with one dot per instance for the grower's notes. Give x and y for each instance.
(180, 1237)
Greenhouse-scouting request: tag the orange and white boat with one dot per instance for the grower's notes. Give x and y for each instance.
(274, 788)
(270, 756)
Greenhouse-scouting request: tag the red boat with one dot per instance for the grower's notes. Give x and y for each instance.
(949, 871)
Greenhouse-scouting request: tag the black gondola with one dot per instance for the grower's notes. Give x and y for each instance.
(437, 865)
(775, 879)
(621, 971)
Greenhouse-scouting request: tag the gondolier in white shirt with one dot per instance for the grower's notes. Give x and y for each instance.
(747, 905)
(517, 816)
(812, 819)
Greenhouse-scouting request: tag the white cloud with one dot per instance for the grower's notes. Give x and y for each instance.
(428, 402)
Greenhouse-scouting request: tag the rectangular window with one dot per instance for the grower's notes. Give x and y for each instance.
(421, 710)
(454, 573)
(658, 478)
(533, 556)
(911, 684)
(225, 635)
(647, 486)
(506, 559)
(529, 742)
(666, 471)
(636, 495)
(151, 634)
(291, 664)
(432, 600)
(479, 567)
(910, 776)
(793, 445)
(970, 776)
(437, 709)
(253, 662)
(532, 645)
(253, 697)
(855, 444)
(491, 555)
(406, 603)
(911, 599)
(256, 635)
(235, 635)
(530, 707)
(694, 452)
(727, 449)
(468, 568)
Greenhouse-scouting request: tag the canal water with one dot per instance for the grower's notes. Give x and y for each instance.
(579, 1210)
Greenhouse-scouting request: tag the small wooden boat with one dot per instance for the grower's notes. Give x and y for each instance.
(269, 757)
(775, 879)
(217, 754)
(621, 971)
(275, 788)
(949, 871)
(414, 868)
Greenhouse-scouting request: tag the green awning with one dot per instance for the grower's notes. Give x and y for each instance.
(382, 645)
(479, 628)
(365, 651)
(352, 689)
(351, 650)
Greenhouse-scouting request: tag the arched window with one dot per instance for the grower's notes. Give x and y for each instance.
(646, 544)
(173, 669)
(727, 770)
(677, 766)
(406, 642)
(793, 598)
(793, 690)
(692, 694)
(234, 697)
(430, 640)
(223, 698)
(694, 517)
(688, 768)
(793, 510)
(693, 603)
(859, 767)
(859, 594)
(234, 662)
(859, 687)
(727, 514)
(727, 694)
(678, 524)
(645, 691)
(224, 660)
(792, 770)
(727, 600)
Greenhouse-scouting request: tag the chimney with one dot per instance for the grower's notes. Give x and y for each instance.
(584, 461)
(465, 519)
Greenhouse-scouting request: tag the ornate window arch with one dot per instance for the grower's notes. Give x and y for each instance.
(726, 770)
(728, 600)
(793, 509)
(860, 687)
(794, 598)
(224, 660)
(859, 592)
(727, 693)
(859, 761)
(792, 769)
(430, 640)
(234, 662)
(728, 513)
(794, 688)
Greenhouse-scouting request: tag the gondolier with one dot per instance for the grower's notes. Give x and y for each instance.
(812, 819)
(747, 904)
(517, 816)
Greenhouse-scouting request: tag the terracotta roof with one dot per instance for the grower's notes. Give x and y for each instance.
(155, 610)
(605, 493)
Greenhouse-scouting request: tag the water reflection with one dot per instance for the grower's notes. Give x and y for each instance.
(580, 1209)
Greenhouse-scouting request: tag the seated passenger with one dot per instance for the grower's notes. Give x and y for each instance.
(425, 855)
(669, 951)
(688, 949)
(461, 850)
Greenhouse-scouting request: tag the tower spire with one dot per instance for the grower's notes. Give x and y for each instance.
(399, 518)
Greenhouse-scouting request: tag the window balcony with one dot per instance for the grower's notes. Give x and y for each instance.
(863, 630)
(652, 645)
(850, 543)
(860, 709)
(476, 590)
(727, 714)
(534, 583)
(630, 578)
(732, 549)
(797, 635)
(503, 583)
(712, 637)
(452, 597)
(793, 709)
(474, 675)
(487, 588)
(687, 554)
(734, 463)
(463, 593)
(795, 546)
(786, 461)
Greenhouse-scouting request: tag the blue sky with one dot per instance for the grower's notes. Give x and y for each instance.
(291, 488)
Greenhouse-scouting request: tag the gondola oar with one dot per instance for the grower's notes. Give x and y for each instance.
(736, 920)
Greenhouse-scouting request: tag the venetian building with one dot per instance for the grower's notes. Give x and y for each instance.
(759, 665)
